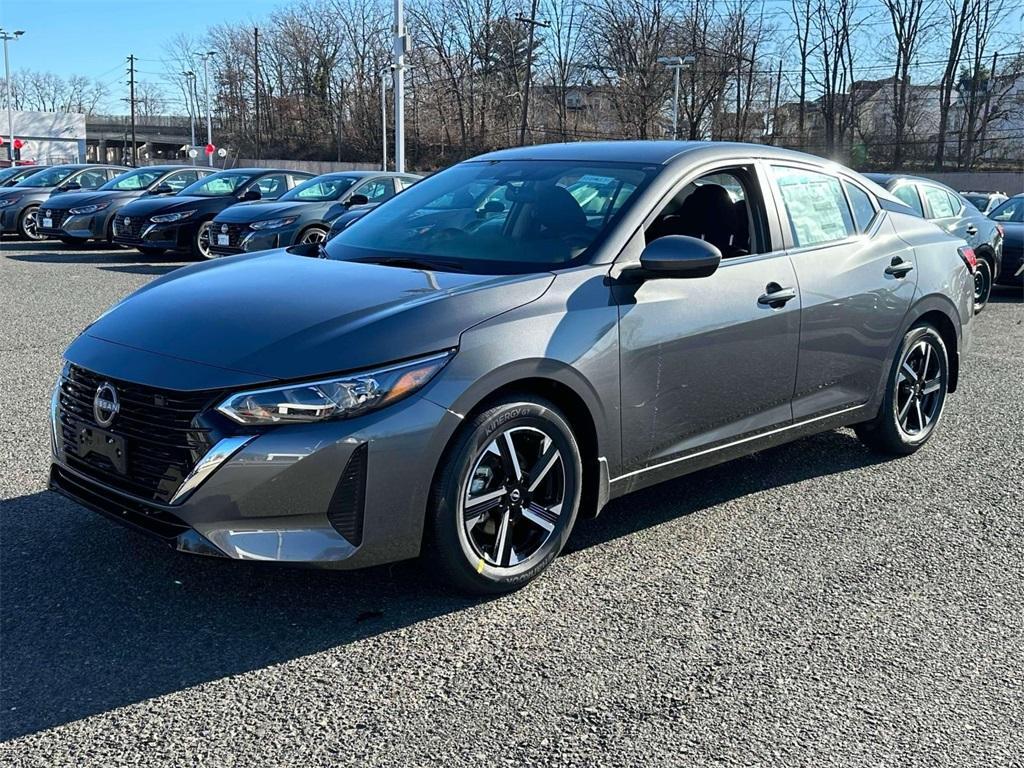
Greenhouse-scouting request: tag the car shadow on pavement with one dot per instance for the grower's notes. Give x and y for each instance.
(96, 617)
(1006, 294)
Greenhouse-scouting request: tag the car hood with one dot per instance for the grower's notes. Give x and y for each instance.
(36, 192)
(243, 213)
(67, 200)
(153, 206)
(274, 315)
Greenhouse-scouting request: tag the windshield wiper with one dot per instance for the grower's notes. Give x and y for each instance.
(412, 262)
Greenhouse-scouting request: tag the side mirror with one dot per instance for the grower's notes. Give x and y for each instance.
(71, 186)
(161, 189)
(357, 199)
(251, 194)
(678, 256)
(309, 250)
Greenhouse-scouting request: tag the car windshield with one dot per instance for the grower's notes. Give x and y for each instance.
(217, 185)
(7, 173)
(133, 180)
(320, 190)
(511, 216)
(1011, 210)
(978, 201)
(51, 177)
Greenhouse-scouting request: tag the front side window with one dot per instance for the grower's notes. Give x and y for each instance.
(939, 202)
(863, 207)
(218, 185)
(377, 190)
(178, 181)
(272, 187)
(133, 180)
(91, 179)
(815, 205)
(320, 190)
(1011, 210)
(908, 194)
(509, 216)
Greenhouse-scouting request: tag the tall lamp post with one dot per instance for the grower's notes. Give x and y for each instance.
(190, 89)
(676, 64)
(384, 118)
(7, 37)
(206, 87)
(399, 50)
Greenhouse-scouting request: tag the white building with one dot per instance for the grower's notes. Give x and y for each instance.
(48, 137)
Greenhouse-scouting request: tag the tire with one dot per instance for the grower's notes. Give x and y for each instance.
(201, 241)
(312, 235)
(982, 284)
(150, 251)
(27, 224)
(913, 405)
(484, 504)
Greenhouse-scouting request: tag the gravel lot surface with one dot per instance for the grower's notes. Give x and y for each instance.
(810, 605)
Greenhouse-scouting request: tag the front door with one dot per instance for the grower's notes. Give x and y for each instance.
(706, 360)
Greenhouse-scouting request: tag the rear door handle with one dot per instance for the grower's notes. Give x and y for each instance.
(972, 230)
(776, 296)
(898, 267)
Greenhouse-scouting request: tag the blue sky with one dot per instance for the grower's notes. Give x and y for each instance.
(93, 37)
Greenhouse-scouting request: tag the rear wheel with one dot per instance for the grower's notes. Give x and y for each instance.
(28, 224)
(982, 284)
(506, 497)
(914, 396)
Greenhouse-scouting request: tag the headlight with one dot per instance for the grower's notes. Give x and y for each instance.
(8, 201)
(273, 223)
(88, 209)
(168, 217)
(336, 398)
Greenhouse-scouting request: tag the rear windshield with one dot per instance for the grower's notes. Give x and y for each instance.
(511, 216)
(1011, 210)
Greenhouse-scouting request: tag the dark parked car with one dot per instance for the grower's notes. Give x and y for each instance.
(948, 209)
(183, 222)
(986, 202)
(19, 205)
(76, 217)
(1010, 216)
(11, 176)
(465, 380)
(302, 215)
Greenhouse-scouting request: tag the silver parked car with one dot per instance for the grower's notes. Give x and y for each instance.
(504, 347)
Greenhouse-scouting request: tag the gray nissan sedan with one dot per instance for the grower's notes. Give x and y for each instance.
(504, 347)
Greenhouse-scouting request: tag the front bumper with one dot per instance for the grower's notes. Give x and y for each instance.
(246, 240)
(88, 226)
(175, 236)
(343, 494)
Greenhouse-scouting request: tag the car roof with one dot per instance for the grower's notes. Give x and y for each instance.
(888, 178)
(255, 171)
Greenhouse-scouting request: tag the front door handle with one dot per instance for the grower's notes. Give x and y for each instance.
(972, 230)
(898, 267)
(776, 296)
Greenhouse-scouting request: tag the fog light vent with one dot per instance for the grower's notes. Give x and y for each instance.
(346, 508)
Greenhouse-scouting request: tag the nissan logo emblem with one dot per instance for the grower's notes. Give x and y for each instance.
(105, 404)
(47, 213)
(127, 221)
(223, 229)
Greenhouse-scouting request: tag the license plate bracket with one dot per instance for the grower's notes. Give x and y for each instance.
(102, 443)
(223, 240)
(47, 223)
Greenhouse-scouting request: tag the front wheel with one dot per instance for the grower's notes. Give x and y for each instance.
(982, 284)
(201, 241)
(914, 396)
(28, 224)
(505, 497)
(314, 235)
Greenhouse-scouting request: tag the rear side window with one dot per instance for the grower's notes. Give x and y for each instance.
(815, 205)
(908, 194)
(863, 207)
(939, 202)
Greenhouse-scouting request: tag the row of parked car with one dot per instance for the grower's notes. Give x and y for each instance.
(192, 211)
(205, 214)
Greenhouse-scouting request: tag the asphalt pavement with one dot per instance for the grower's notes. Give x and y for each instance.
(808, 605)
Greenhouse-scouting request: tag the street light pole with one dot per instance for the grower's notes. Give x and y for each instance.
(399, 67)
(206, 86)
(676, 64)
(7, 37)
(383, 121)
(190, 77)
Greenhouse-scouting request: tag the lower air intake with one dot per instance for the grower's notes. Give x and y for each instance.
(345, 511)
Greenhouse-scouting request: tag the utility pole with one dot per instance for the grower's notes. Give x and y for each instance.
(383, 121)
(401, 45)
(131, 103)
(256, 62)
(206, 86)
(775, 112)
(7, 37)
(533, 23)
(190, 88)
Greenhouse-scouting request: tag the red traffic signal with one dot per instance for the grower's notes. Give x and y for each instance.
(210, 149)
(18, 143)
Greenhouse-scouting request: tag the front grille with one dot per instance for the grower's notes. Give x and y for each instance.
(345, 511)
(163, 440)
(58, 218)
(131, 231)
(235, 233)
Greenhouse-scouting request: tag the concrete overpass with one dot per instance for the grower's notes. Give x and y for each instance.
(108, 137)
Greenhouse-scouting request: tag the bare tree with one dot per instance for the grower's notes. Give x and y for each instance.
(960, 18)
(910, 20)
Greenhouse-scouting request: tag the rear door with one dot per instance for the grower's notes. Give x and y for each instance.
(946, 210)
(706, 360)
(856, 279)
